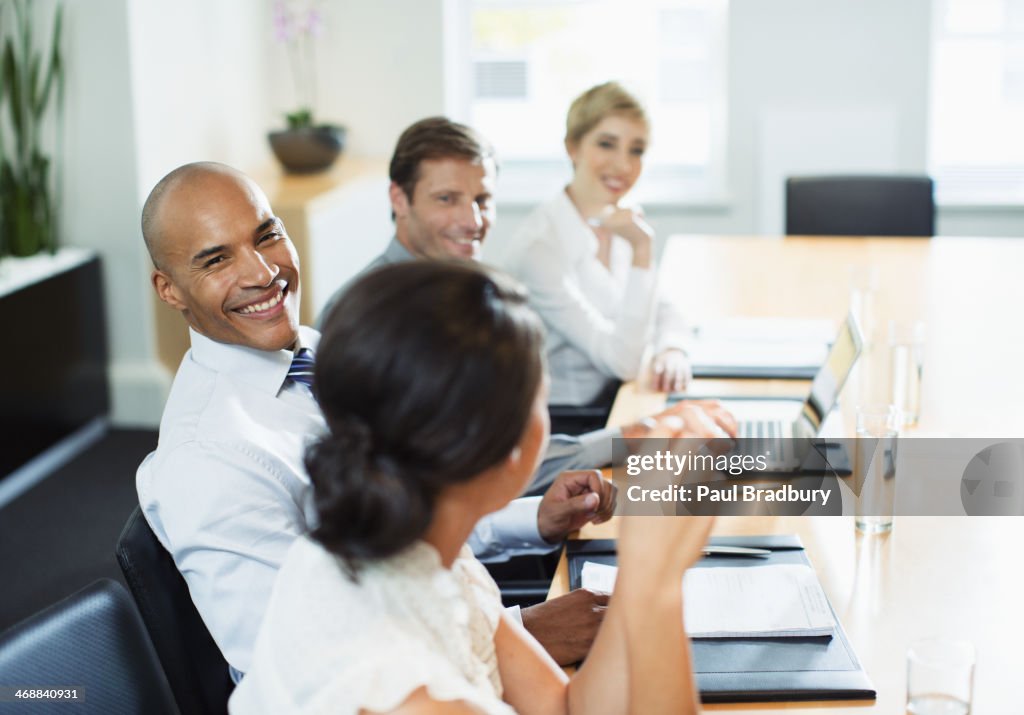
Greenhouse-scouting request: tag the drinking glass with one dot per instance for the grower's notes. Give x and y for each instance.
(940, 677)
(874, 467)
(906, 360)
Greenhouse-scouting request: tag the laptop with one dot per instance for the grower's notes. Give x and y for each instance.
(776, 425)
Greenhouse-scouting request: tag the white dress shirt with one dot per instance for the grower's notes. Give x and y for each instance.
(332, 645)
(226, 491)
(599, 319)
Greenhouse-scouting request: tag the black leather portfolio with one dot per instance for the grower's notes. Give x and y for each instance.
(733, 670)
(774, 372)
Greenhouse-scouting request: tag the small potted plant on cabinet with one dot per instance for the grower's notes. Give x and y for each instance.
(304, 146)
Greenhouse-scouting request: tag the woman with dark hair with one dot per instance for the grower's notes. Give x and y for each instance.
(431, 379)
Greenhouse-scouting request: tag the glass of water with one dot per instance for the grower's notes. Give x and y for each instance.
(940, 677)
(874, 467)
(906, 354)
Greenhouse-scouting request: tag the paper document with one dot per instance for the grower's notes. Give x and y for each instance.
(768, 330)
(779, 600)
(598, 577)
(761, 343)
(724, 353)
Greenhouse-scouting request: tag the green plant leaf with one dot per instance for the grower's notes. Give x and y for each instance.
(300, 119)
(3, 81)
(32, 85)
(55, 68)
(10, 75)
(30, 75)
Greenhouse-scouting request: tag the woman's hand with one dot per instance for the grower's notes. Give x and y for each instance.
(656, 550)
(630, 225)
(670, 371)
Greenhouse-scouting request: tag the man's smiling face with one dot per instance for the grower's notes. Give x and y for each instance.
(227, 263)
(450, 211)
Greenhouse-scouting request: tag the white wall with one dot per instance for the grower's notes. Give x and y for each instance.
(382, 69)
(101, 206)
(200, 84)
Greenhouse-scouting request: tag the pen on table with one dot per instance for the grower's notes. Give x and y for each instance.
(736, 551)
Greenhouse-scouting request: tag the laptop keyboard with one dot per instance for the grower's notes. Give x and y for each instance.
(755, 429)
(767, 437)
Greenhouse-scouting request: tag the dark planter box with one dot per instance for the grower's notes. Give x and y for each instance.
(54, 362)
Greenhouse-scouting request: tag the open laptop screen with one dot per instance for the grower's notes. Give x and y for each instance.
(833, 374)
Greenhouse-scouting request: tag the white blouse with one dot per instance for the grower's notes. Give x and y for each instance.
(599, 319)
(331, 645)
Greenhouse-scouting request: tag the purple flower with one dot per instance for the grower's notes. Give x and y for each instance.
(282, 22)
(314, 22)
(296, 24)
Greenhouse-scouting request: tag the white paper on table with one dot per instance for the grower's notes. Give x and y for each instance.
(727, 353)
(762, 343)
(764, 330)
(598, 577)
(780, 600)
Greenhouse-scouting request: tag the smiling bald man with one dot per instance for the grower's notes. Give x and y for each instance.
(226, 490)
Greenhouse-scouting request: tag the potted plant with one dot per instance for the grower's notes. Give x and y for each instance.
(305, 146)
(29, 179)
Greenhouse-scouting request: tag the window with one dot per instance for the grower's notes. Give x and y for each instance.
(516, 65)
(977, 101)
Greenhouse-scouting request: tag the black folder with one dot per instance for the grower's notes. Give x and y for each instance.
(772, 372)
(735, 670)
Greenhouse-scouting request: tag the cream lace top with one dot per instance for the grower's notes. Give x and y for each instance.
(331, 645)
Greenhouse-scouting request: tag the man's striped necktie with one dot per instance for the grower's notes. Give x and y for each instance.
(301, 369)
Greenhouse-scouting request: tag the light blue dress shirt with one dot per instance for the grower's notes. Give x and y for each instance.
(226, 491)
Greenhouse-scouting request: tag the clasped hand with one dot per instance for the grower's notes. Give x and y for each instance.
(572, 500)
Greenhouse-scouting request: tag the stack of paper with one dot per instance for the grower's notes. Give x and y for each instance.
(773, 601)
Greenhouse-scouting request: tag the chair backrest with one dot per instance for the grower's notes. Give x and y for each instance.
(94, 642)
(860, 206)
(195, 668)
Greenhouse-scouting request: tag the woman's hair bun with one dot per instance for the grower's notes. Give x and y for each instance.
(426, 374)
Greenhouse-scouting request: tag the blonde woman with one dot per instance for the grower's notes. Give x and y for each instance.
(587, 258)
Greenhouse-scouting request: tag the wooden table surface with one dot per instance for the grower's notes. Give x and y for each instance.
(960, 577)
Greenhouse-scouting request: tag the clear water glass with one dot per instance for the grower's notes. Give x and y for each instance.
(906, 360)
(940, 677)
(874, 467)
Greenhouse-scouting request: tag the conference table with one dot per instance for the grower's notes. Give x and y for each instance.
(952, 576)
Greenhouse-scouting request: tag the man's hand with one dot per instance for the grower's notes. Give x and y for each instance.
(670, 371)
(697, 419)
(572, 500)
(566, 626)
(713, 413)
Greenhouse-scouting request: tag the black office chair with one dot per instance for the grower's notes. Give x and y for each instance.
(579, 419)
(94, 642)
(195, 668)
(860, 206)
